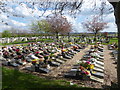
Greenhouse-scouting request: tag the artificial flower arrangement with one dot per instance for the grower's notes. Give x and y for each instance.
(75, 47)
(87, 65)
(34, 61)
(70, 43)
(84, 71)
(52, 55)
(64, 50)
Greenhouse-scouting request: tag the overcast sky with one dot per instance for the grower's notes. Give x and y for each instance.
(25, 10)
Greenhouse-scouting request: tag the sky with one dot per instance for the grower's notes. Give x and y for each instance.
(25, 10)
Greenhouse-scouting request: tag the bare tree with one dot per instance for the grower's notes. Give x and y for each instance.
(70, 7)
(59, 25)
(95, 26)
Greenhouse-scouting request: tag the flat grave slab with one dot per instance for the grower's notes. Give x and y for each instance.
(96, 79)
(75, 70)
(53, 63)
(70, 74)
(59, 61)
(44, 70)
(98, 66)
(100, 63)
(63, 59)
(98, 69)
(98, 74)
(75, 67)
(30, 68)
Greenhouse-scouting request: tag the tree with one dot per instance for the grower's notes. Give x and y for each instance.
(71, 7)
(40, 26)
(117, 16)
(59, 25)
(6, 33)
(14, 32)
(95, 26)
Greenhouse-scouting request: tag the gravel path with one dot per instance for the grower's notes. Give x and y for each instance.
(60, 71)
(110, 68)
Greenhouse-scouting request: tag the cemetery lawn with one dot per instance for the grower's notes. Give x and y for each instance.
(19, 42)
(113, 40)
(15, 80)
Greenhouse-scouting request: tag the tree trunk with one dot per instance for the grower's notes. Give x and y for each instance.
(57, 36)
(68, 37)
(117, 15)
(118, 61)
(95, 37)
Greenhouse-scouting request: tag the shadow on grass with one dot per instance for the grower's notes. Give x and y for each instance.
(15, 80)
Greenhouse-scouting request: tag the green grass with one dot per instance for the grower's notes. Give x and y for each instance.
(113, 40)
(15, 80)
(21, 42)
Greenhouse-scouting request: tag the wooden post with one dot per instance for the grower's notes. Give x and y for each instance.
(117, 16)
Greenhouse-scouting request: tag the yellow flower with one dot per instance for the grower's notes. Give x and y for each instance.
(34, 60)
(58, 48)
(37, 62)
(91, 66)
(86, 67)
(64, 50)
(93, 72)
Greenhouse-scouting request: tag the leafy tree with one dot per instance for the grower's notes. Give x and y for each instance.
(40, 26)
(6, 33)
(95, 26)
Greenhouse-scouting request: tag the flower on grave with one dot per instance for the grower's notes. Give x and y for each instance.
(85, 72)
(58, 48)
(75, 47)
(50, 59)
(88, 62)
(37, 52)
(37, 62)
(51, 54)
(41, 59)
(24, 60)
(70, 43)
(87, 65)
(91, 66)
(82, 68)
(17, 50)
(95, 46)
(34, 61)
(64, 50)
(19, 56)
